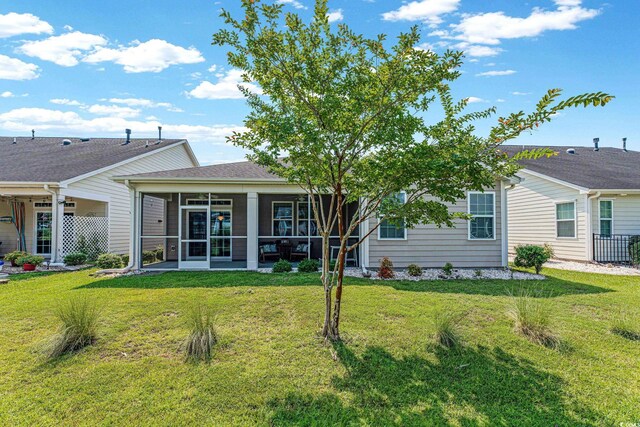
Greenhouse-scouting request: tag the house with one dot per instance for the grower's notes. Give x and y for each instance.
(240, 216)
(584, 202)
(57, 196)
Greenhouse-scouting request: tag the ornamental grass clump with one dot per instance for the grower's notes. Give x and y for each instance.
(447, 327)
(79, 317)
(532, 320)
(203, 337)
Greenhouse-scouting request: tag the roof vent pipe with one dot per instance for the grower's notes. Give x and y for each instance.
(159, 133)
(15, 140)
(624, 144)
(33, 134)
(595, 144)
(128, 132)
(66, 142)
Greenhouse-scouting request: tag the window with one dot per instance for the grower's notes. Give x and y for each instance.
(482, 224)
(566, 219)
(606, 218)
(220, 233)
(43, 233)
(305, 222)
(282, 218)
(395, 230)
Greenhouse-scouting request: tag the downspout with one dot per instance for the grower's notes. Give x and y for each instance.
(589, 236)
(504, 229)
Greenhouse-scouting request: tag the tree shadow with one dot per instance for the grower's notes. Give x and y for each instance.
(479, 386)
(547, 288)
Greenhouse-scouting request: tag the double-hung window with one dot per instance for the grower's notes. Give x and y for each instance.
(482, 208)
(566, 219)
(393, 230)
(606, 218)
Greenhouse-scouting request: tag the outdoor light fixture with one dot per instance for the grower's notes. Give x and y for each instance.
(220, 218)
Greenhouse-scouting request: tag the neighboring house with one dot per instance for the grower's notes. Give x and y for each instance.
(61, 192)
(240, 216)
(584, 202)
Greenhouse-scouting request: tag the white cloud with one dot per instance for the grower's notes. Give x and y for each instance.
(477, 50)
(69, 122)
(138, 102)
(14, 69)
(152, 56)
(65, 50)
(294, 3)
(114, 111)
(490, 28)
(13, 24)
(429, 11)
(501, 100)
(336, 15)
(474, 99)
(496, 73)
(213, 68)
(225, 88)
(65, 101)
(7, 94)
(520, 93)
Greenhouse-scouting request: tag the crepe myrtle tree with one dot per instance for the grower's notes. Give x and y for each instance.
(363, 119)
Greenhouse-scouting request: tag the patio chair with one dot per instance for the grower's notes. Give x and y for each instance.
(300, 250)
(269, 250)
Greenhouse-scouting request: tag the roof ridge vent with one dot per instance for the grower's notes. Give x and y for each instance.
(571, 151)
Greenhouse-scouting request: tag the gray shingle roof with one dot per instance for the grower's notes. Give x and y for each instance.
(47, 160)
(608, 168)
(225, 171)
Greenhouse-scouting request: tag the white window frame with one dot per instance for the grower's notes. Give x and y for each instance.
(293, 218)
(495, 232)
(381, 218)
(575, 218)
(225, 208)
(607, 219)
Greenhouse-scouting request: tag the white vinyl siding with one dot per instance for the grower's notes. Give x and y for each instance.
(626, 213)
(432, 247)
(119, 209)
(605, 214)
(532, 216)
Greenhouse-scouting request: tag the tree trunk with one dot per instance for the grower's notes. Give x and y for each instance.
(326, 283)
(334, 332)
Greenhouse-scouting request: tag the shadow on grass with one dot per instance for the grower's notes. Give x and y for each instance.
(479, 386)
(26, 276)
(184, 279)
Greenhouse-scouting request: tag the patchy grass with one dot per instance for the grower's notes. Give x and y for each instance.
(272, 368)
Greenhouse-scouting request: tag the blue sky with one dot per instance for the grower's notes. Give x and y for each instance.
(82, 68)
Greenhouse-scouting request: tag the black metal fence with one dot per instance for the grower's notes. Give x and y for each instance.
(616, 249)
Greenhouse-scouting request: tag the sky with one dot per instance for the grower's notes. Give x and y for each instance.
(91, 69)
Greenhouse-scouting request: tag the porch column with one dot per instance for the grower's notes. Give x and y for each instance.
(252, 231)
(57, 227)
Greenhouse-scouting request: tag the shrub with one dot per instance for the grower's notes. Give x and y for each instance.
(75, 258)
(478, 273)
(148, 257)
(447, 329)
(308, 266)
(531, 256)
(622, 326)
(531, 319)
(13, 257)
(634, 249)
(282, 266)
(30, 259)
(386, 269)
(159, 253)
(203, 336)
(414, 270)
(79, 317)
(448, 269)
(109, 261)
(125, 259)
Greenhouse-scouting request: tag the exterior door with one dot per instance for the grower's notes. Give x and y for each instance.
(220, 234)
(43, 232)
(194, 241)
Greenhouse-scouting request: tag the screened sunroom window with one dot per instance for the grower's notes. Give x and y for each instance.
(482, 208)
(606, 218)
(566, 219)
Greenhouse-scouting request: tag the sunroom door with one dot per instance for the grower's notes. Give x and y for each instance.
(194, 241)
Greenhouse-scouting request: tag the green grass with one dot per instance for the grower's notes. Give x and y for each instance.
(271, 368)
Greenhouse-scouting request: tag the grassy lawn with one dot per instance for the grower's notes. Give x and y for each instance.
(272, 369)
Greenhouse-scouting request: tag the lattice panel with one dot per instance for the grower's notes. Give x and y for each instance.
(89, 235)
